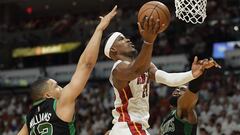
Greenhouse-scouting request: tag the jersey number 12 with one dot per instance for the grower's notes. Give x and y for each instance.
(43, 129)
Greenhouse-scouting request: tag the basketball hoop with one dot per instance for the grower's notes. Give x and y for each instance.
(193, 11)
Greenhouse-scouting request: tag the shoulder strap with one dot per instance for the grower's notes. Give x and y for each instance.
(54, 104)
(38, 102)
(114, 66)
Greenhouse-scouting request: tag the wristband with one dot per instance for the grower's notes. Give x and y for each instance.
(147, 43)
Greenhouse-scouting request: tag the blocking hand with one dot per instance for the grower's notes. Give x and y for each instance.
(106, 19)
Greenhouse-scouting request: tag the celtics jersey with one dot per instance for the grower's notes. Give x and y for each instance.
(173, 125)
(42, 120)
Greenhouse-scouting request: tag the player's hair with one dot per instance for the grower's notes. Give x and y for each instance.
(37, 88)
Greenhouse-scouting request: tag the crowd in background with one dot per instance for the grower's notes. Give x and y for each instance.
(222, 24)
(219, 99)
(218, 108)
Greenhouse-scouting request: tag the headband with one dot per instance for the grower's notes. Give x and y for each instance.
(110, 42)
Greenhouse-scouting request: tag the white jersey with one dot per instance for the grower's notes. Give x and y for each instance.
(132, 103)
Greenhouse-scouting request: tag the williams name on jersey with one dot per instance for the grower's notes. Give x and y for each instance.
(39, 118)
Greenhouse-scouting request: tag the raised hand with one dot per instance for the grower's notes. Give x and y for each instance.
(149, 29)
(106, 19)
(198, 66)
(211, 63)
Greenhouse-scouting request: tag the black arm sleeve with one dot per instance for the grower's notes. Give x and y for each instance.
(194, 85)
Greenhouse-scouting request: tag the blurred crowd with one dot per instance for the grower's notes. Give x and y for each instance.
(219, 99)
(222, 24)
(218, 108)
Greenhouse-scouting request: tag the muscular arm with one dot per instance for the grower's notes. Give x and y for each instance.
(86, 63)
(185, 107)
(186, 102)
(127, 72)
(149, 32)
(176, 79)
(84, 67)
(169, 79)
(23, 131)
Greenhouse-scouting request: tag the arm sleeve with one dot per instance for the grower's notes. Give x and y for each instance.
(194, 86)
(173, 79)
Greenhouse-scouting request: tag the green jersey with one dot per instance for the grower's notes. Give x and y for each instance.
(172, 125)
(42, 120)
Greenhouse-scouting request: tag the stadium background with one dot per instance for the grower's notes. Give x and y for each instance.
(56, 32)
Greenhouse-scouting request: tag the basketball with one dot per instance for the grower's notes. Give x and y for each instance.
(157, 10)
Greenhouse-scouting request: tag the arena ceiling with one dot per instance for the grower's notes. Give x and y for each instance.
(45, 6)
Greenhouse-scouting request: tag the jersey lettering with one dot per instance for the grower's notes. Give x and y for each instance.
(43, 129)
(40, 118)
(43, 120)
(168, 126)
(141, 79)
(134, 97)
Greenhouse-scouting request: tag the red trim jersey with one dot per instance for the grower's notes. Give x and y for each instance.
(132, 102)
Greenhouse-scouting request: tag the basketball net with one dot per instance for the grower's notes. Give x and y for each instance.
(193, 11)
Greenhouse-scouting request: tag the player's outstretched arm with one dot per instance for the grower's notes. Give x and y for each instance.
(186, 103)
(23, 131)
(176, 79)
(87, 60)
(84, 67)
(149, 32)
(169, 79)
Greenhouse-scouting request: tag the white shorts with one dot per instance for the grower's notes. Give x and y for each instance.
(130, 128)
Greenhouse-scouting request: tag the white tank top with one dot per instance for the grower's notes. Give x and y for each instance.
(132, 103)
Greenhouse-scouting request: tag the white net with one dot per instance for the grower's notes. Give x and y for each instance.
(193, 11)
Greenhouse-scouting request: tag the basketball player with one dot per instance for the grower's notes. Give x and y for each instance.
(131, 75)
(54, 107)
(182, 120)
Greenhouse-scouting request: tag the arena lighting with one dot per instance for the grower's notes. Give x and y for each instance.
(74, 3)
(219, 48)
(43, 49)
(29, 10)
(236, 28)
(46, 6)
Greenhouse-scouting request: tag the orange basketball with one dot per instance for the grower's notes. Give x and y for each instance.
(157, 10)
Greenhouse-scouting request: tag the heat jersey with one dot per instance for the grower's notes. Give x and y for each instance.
(132, 102)
(42, 120)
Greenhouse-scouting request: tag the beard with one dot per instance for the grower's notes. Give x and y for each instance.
(173, 100)
(132, 54)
